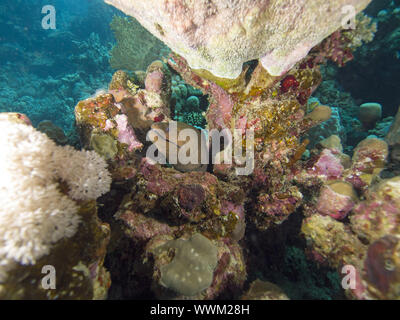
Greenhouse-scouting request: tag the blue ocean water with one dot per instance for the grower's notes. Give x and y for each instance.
(45, 72)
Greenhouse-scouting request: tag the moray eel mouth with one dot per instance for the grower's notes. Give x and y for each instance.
(169, 145)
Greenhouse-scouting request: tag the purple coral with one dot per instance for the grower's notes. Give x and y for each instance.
(328, 165)
(191, 196)
(126, 134)
(334, 204)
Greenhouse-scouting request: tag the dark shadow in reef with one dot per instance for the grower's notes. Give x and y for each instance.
(278, 256)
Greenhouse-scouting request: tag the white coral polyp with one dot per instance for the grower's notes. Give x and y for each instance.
(34, 214)
(88, 180)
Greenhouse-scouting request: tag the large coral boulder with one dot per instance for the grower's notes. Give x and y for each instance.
(220, 36)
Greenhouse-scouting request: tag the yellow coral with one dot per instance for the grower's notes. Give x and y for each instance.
(364, 32)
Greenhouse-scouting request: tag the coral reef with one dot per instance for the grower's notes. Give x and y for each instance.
(44, 72)
(48, 217)
(373, 77)
(165, 208)
(136, 48)
(263, 290)
(213, 173)
(375, 258)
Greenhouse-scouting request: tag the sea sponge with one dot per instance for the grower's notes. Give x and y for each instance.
(369, 114)
(39, 184)
(104, 145)
(320, 114)
(337, 199)
(332, 142)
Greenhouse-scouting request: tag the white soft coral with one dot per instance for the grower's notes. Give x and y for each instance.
(34, 213)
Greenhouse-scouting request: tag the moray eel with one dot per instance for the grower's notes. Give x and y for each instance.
(169, 145)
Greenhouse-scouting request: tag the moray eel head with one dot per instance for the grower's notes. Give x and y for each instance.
(176, 138)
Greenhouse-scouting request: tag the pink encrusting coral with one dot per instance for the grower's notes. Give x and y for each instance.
(153, 81)
(126, 134)
(334, 204)
(328, 165)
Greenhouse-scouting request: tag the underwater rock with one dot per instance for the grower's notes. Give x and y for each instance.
(330, 242)
(382, 267)
(94, 113)
(328, 165)
(158, 80)
(332, 141)
(377, 216)
(265, 30)
(367, 241)
(103, 126)
(369, 158)
(54, 132)
(276, 207)
(138, 113)
(181, 197)
(369, 114)
(119, 80)
(336, 200)
(264, 290)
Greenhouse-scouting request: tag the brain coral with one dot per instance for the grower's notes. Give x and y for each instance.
(192, 268)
